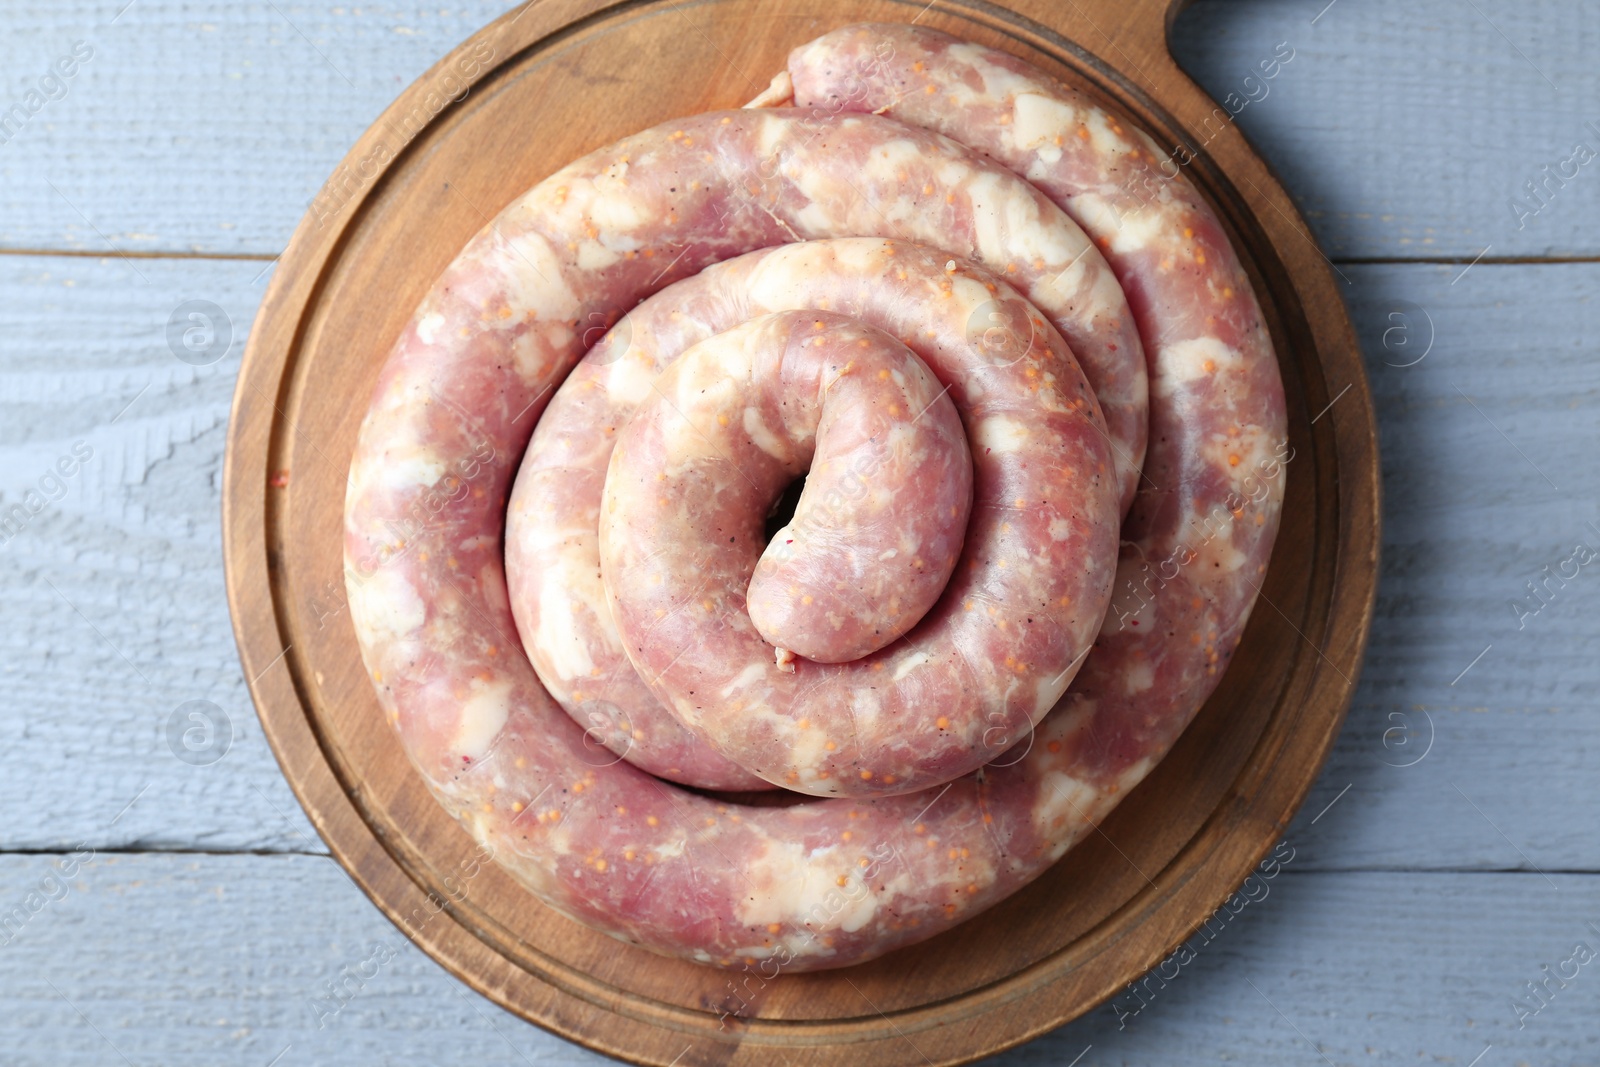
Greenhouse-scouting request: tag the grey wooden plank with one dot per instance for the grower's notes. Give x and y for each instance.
(1406, 129)
(116, 589)
(179, 960)
(205, 959)
(202, 129)
(135, 544)
(1402, 129)
(1504, 400)
(1360, 967)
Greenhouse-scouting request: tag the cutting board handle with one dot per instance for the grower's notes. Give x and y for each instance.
(1129, 34)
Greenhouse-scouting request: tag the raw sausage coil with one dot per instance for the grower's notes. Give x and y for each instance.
(822, 883)
(705, 188)
(1197, 540)
(1014, 622)
(748, 411)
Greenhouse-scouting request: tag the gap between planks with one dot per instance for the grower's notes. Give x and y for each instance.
(263, 257)
(82, 253)
(1299, 871)
(134, 851)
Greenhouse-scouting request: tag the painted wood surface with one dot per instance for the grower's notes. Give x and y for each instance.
(1402, 129)
(241, 958)
(1459, 859)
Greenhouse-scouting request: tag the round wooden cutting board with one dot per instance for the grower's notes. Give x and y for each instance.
(544, 84)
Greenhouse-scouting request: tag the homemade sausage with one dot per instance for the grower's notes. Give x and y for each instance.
(665, 203)
(1019, 614)
(1197, 539)
(823, 883)
(875, 531)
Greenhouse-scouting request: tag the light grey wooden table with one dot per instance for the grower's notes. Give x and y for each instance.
(155, 910)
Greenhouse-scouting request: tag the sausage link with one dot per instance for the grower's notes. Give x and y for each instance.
(691, 192)
(823, 883)
(1018, 617)
(1198, 537)
(740, 416)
